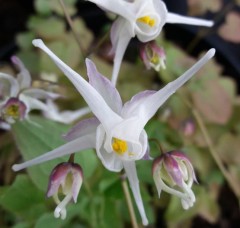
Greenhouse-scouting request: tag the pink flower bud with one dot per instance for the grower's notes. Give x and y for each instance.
(188, 127)
(66, 178)
(152, 55)
(174, 173)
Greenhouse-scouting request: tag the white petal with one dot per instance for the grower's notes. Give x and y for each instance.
(5, 126)
(66, 117)
(178, 19)
(108, 158)
(60, 210)
(117, 7)
(40, 94)
(130, 108)
(32, 103)
(131, 172)
(119, 46)
(107, 90)
(24, 77)
(152, 103)
(156, 10)
(83, 143)
(84, 127)
(160, 184)
(96, 103)
(128, 130)
(76, 185)
(13, 83)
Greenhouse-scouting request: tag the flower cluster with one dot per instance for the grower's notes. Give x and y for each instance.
(116, 131)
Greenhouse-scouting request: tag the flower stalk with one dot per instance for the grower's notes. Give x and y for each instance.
(129, 201)
(70, 23)
(211, 148)
(214, 153)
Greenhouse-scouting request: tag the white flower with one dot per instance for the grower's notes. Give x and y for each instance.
(66, 117)
(142, 18)
(65, 178)
(18, 98)
(117, 132)
(173, 173)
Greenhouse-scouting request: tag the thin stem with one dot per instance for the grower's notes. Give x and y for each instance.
(212, 150)
(158, 143)
(129, 202)
(71, 158)
(70, 23)
(99, 44)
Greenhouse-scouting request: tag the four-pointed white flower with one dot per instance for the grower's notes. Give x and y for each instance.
(18, 97)
(117, 131)
(142, 18)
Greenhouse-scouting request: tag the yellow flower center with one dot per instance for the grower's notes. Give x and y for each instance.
(155, 59)
(147, 20)
(13, 111)
(119, 146)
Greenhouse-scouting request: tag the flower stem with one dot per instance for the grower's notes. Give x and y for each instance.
(70, 23)
(158, 143)
(71, 158)
(129, 201)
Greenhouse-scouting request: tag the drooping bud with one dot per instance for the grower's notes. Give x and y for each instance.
(153, 56)
(174, 173)
(13, 110)
(66, 178)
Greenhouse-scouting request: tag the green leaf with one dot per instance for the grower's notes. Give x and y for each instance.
(64, 49)
(68, 4)
(24, 40)
(30, 60)
(110, 214)
(51, 28)
(144, 170)
(111, 187)
(40, 136)
(22, 225)
(23, 198)
(43, 6)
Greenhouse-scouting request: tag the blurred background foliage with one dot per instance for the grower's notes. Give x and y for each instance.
(201, 119)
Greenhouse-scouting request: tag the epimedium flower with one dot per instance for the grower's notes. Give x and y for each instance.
(153, 56)
(174, 173)
(142, 18)
(18, 97)
(13, 109)
(66, 178)
(117, 131)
